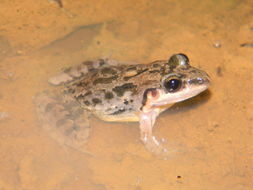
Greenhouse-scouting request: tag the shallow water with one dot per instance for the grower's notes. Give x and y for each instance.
(209, 137)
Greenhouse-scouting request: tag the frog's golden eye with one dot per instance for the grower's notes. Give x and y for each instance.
(172, 84)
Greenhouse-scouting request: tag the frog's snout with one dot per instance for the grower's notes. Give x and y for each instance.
(202, 79)
(205, 79)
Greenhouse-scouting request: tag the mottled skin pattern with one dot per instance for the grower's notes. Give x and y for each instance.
(115, 91)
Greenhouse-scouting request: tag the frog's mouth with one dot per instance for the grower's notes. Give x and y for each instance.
(164, 98)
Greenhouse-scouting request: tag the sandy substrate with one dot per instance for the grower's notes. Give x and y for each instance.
(209, 136)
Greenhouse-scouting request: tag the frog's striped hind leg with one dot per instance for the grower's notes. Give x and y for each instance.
(65, 121)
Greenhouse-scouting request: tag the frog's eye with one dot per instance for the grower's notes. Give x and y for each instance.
(172, 84)
(178, 60)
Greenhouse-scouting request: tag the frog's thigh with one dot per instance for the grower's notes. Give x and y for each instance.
(65, 122)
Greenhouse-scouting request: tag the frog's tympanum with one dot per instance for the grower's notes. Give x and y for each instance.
(116, 91)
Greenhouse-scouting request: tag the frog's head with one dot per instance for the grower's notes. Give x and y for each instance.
(182, 81)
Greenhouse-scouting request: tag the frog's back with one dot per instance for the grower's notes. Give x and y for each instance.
(114, 92)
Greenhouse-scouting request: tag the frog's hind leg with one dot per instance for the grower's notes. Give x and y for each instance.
(65, 121)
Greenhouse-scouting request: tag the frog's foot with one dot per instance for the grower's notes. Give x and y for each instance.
(155, 146)
(64, 120)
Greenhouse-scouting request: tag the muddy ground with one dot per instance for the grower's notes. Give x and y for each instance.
(210, 136)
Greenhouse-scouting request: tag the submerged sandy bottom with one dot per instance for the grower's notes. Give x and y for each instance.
(209, 137)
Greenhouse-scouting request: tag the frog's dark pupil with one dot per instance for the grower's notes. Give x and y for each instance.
(172, 85)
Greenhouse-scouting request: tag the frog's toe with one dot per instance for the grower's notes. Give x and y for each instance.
(72, 133)
(64, 121)
(155, 146)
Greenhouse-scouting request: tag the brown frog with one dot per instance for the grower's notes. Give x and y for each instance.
(117, 91)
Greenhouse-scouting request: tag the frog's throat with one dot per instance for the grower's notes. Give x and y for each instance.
(170, 98)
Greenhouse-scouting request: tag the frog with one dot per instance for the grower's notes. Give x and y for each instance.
(117, 91)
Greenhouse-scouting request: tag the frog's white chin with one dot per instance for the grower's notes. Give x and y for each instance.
(169, 98)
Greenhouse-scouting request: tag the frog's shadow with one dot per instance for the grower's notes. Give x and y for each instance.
(189, 104)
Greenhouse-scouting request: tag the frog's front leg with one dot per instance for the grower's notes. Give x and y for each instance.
(147, 118)
(147, 121)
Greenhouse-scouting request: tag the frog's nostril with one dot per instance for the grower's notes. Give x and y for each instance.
(200, 80)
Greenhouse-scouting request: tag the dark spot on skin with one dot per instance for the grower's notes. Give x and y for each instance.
(89, 65)
(105, 80)
(70, 90)
(81, 96)
(80, 84)
(96, 101)
(101, 90)
(131, 101)
(138, 73)
(86, 63)
(219, 71)
(91, 69)
(109, 71)
(193, 72)
(86, 102)
(120, 90)
(179, 177)
(156, 65)
(120, 111)
(131, 68)
(126, 102)
(165, 70)
(87, 93)
(154, 71)
(101, 62)
(108, 95)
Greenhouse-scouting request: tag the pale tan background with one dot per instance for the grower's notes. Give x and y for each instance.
(210, 136)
